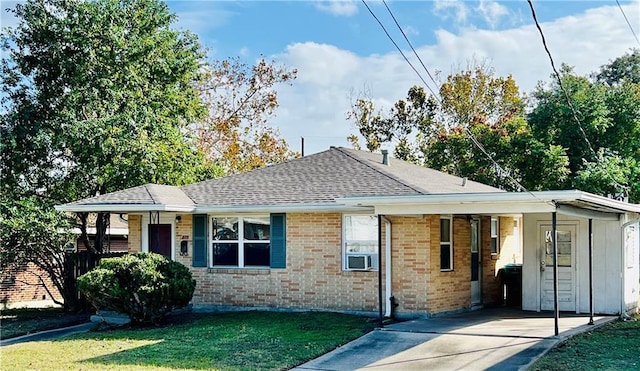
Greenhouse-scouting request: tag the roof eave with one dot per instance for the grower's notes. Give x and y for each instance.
(542, 201)
(124, 208)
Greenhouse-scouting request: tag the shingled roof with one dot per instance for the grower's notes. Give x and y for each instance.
(320, 178)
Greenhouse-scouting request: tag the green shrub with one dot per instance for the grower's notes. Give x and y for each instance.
(146, 286)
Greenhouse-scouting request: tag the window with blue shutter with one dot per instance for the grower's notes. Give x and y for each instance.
(200, 240)
(278, 240)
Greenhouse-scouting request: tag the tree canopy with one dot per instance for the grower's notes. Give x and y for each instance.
(483, 128)
(475, 129)
(600, 127)
(103, 95)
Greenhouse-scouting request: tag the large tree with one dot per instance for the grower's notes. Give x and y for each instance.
(235, 134)
(599, 125)
(97, 96)
(475, 129)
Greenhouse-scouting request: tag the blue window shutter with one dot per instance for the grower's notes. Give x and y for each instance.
(200, 240)
(278, 238)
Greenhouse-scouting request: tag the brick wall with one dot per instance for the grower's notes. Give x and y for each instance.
(410, 241)
(314, 278)
(135, 233)
(450, 290)
(24, 285)
(491, 287)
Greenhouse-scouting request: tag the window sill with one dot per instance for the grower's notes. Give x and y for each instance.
(359, 270)
(243, 271)
(446, 270)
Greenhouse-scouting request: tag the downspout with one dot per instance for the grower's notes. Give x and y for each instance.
(623, 304)
(387, 267)
(380, 314)
(591, 271)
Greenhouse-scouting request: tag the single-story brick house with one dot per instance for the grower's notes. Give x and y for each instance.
(355, 231)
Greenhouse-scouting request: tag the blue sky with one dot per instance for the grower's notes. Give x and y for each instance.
(339, 50)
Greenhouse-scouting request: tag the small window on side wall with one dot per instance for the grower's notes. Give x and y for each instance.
(495, 243)
(360, 242)
(446, 244)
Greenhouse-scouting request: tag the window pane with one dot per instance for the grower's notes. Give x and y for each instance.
(256, 228)
(445, 230)
(225, 254)
(361, 227)
(256, 254)
(494, 245)
(225, 229)
(494, 227)
(367, 247)
(445, 256)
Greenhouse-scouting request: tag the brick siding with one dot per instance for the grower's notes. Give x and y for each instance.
(314, 278)
(24, 285)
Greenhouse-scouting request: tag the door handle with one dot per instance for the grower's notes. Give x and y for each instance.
(543, 265)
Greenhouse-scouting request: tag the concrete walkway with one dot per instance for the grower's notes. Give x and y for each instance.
(50, 334)
(499, 339)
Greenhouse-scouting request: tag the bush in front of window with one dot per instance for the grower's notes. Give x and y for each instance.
(145, 286)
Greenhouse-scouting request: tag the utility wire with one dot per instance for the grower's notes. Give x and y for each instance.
(574, 112)
(469, 133)
(409, 42)
(397, 47)
(628, 23)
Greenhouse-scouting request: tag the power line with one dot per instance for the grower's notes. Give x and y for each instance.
(469, 133)
(628, 23)
(409, 42)
(574, 112)
(397, 47)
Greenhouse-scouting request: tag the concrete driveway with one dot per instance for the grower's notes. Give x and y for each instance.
(500, 339)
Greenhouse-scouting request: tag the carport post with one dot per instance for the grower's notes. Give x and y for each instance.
(591, 271)
(554, 243)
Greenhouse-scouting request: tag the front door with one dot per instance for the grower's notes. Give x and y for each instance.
(566, 241)
(476, 264)
(160, 239)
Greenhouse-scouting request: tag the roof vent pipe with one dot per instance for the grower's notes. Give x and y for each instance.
(385, 157)
(464, 181)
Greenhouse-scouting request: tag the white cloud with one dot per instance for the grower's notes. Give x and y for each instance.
(339, 8)
(244, 51)
(447, 9)
(409, 31)
(315, 106)
(492, 12)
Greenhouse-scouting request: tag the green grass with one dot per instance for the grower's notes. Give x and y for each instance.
(615, 346)
(227, 341)
(16, 322)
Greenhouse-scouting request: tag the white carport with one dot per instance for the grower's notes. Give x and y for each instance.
(580, 250)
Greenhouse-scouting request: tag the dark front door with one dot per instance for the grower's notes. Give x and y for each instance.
(160, 239)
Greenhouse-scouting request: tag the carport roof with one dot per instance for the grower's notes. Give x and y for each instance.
(572, 202)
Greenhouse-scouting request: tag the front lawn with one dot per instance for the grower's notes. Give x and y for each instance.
(615, 346)
(220, 341)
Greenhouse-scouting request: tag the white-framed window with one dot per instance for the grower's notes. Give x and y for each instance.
(446, 243)
(495, 232)
(360, 242)
(240, 241)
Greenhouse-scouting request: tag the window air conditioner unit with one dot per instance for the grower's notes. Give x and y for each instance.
(359, 262)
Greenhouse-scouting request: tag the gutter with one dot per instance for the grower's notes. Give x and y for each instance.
(541, 197)
(125, 208)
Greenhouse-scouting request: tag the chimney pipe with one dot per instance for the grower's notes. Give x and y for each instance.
(385, 157)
